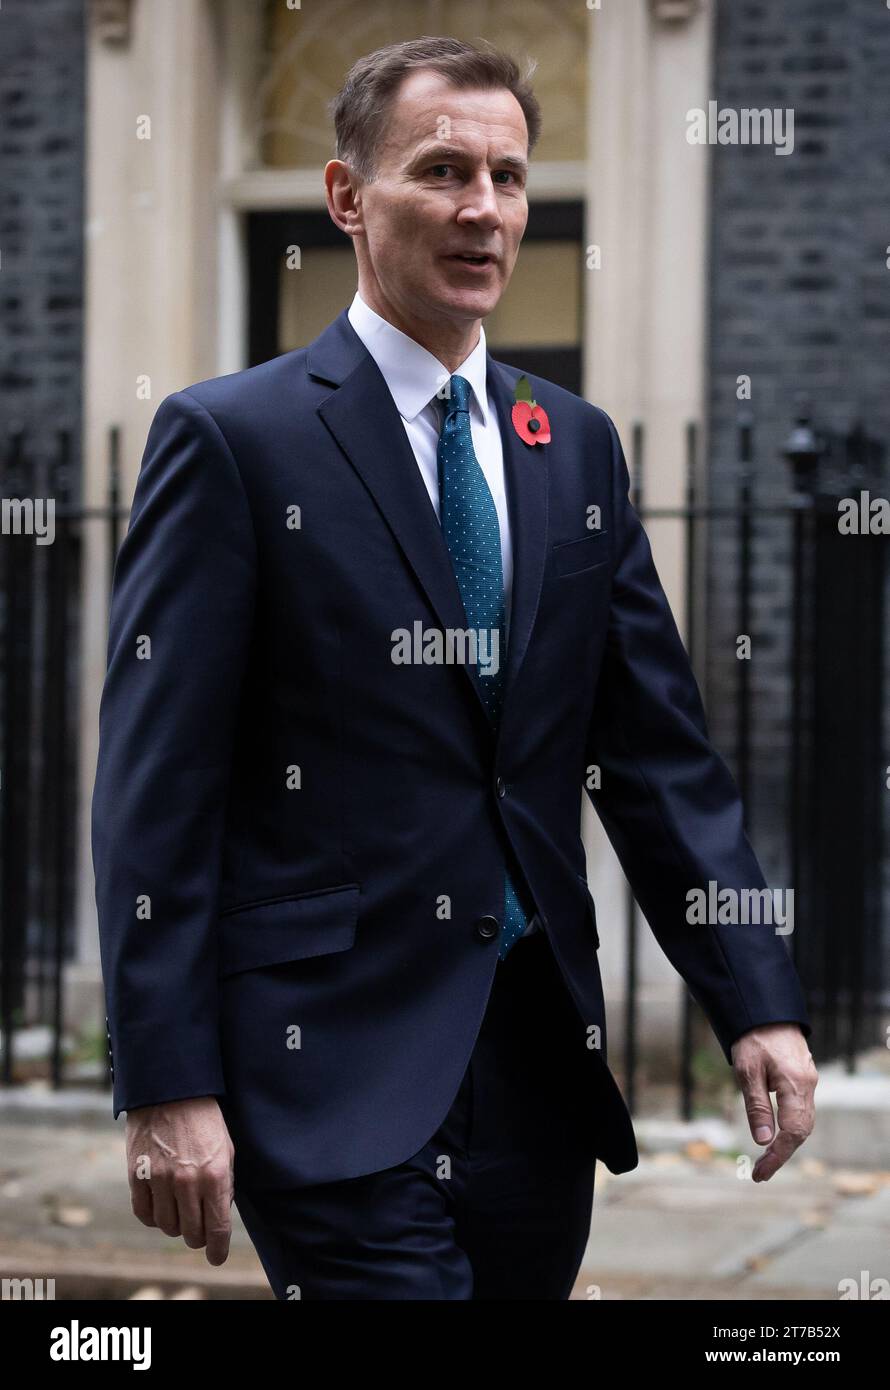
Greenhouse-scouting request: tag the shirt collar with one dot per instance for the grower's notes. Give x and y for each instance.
(413, 374)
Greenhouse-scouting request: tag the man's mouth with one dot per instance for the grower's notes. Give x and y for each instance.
(473, 260)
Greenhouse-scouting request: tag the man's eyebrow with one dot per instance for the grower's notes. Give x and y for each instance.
(437, 153)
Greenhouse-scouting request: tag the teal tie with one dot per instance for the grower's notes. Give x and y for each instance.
(470, 524)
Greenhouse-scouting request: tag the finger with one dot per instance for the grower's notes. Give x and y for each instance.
(795, 1102)
(191, 1218)
(758, 1106)
(218, 1222)
(164, 1207)
(796, 1113)
(140, 1200)
(776, 1155)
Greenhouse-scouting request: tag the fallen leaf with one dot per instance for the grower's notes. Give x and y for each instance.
(72, 1216)
(850, 1184)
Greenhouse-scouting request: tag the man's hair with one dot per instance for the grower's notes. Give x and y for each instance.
(361, 108)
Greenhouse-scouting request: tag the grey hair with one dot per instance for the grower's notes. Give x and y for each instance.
(362, 106)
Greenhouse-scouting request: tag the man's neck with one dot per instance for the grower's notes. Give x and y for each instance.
(449, 349)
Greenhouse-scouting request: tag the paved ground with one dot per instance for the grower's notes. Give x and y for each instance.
(689, 1228)
(681, 1226)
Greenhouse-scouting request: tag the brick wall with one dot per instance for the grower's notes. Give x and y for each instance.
(42, 112)
(41, 216)
(800, 301)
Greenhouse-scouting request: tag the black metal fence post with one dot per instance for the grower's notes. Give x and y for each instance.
(18, 585)
(687, 1078)
(637, 454)
(802, 451)
(745, 528)
(58, 729)
(113, 540)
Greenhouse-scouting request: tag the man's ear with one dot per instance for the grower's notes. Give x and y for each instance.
(343, 196)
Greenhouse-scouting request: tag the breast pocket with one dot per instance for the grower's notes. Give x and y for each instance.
(573, 557)
(285, 929)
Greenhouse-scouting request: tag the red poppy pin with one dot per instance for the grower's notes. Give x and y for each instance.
(529, 419)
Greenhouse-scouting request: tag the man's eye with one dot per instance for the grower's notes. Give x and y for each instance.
(508, 173)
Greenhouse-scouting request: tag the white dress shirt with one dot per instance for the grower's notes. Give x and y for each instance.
(414, 376)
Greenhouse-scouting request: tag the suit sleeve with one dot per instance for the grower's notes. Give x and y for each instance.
(180, 625)
(668, 802)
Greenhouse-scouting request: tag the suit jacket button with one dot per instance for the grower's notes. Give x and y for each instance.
(487, 928)
(501, 787)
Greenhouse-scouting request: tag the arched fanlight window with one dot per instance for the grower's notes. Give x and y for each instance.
(305, 52)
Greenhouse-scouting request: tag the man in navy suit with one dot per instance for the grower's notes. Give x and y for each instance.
(381, 613)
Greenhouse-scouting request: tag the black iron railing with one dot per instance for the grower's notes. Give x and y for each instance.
(833, 761)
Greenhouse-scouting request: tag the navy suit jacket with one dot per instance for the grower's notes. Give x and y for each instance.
(282, 816)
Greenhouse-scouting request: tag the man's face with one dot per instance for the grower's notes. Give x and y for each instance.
(451, 177)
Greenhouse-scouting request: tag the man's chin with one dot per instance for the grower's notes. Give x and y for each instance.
(474, 302)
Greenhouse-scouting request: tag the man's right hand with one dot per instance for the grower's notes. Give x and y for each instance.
(180, 1168)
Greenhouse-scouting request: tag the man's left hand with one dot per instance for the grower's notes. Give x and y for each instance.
(775, 1057)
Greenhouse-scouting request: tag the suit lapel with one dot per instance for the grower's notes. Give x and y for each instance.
(363, 420)
(526, 473)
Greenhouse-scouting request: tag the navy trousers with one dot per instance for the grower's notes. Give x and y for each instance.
(496, 1205)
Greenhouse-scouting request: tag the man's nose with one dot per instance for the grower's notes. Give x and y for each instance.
(481, 203)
